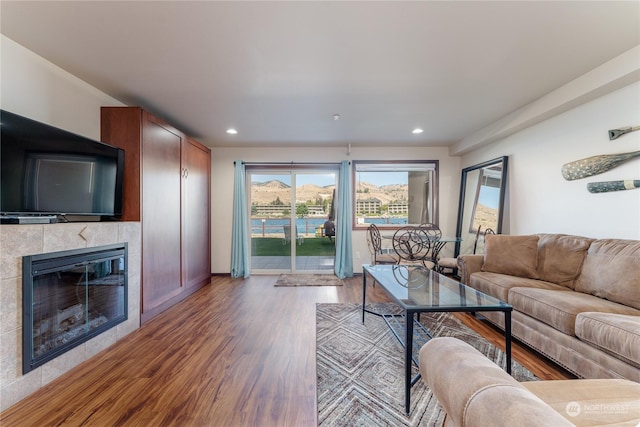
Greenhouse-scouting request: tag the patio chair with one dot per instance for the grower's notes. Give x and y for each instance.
(287, 235)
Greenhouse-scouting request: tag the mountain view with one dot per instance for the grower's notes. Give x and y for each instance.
(263, 193)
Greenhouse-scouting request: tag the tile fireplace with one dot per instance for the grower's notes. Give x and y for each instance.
(70, 297)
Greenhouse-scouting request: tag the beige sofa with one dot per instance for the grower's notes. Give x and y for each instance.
(473, 391)
(576, 300)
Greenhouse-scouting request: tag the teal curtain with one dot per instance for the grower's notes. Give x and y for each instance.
(239, 233)
(344, 257)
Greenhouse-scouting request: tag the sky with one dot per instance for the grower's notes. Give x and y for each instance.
(489, 196)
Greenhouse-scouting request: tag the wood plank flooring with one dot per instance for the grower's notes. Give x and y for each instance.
(236, 353)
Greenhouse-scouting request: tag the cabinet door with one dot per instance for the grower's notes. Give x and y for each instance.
(196, 255)
(161, 148)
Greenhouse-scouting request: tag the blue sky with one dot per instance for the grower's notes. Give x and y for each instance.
(489, 196)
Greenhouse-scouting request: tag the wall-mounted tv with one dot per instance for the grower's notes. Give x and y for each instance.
(49, 171)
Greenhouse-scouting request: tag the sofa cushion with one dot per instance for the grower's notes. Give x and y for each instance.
(602, 402)
(498, 285)
(616, 334)
(611, 270)
(513, 255)
(559, 309)
(560, 257)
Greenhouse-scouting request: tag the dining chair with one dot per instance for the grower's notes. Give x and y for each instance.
(452, 262)
(432, 230)
(412, 245)
(434, 233)
(374, 242)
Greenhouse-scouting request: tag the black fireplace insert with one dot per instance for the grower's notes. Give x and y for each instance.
(70, 297)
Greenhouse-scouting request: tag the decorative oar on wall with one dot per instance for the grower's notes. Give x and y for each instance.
(595, 165)
(617, 133)
(606, 186)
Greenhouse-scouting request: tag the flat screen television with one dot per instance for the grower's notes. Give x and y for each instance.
(49, 171)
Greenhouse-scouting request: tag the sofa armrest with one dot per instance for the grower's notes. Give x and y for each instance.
(468, 264)
(474, 391)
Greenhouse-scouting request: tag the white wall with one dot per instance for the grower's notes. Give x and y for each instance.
(33, 87)
(222, 188)
(541, 200)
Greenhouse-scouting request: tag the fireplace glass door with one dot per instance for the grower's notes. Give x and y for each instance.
(70, 297)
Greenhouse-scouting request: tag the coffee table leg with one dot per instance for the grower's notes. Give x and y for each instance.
(507, 339)
(408, 351)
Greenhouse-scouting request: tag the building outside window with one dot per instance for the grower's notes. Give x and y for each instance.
(392, 194)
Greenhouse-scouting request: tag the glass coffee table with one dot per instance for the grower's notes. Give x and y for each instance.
(416, 289)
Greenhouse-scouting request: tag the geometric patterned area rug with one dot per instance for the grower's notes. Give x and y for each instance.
(308, 280)
(360, 367)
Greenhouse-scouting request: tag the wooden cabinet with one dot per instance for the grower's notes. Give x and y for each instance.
(196, 189)
(166, 188)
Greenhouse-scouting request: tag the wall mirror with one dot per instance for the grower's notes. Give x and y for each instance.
(482, 190)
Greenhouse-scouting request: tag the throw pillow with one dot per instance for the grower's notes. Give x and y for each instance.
(512, 255)
(611, 270)
(560, 258)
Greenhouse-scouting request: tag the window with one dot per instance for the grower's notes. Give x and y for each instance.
(394, 194)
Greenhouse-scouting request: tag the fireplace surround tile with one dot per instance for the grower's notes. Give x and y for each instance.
(10, 356)
(21, 388)
(15, 242)
(63, 363)
(99, 343)
(100, 233)
(63, 237)
(130, 232)
(19, 240)
(131, 324)
(10, 304)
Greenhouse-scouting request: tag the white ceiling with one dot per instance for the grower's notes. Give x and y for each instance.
(279, 71)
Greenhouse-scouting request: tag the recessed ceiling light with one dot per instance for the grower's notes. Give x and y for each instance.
(232, 131)
(417, 131)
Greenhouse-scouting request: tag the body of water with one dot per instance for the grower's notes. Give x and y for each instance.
(308, 225)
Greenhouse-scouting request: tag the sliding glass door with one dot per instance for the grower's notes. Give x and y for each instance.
(291, 217)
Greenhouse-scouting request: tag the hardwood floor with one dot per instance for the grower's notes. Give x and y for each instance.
(236, 353)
